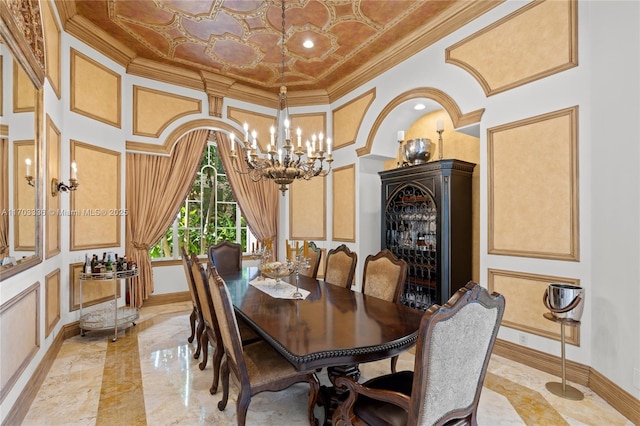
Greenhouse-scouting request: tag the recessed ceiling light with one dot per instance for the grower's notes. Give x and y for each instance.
(308, 44)
(418, 107)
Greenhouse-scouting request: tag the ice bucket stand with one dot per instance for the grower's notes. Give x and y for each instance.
(563, 389)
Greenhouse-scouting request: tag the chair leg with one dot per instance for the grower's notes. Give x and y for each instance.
(199, 332)
(394, 361)
(218, 351)
(225, 386)
(192, 321)
(244, 399)
(204, 342)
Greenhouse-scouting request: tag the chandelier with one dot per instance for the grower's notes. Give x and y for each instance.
(283, 162)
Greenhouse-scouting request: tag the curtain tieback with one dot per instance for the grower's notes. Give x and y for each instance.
(140, 246)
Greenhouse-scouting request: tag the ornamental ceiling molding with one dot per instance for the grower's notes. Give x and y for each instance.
(23, 33)
(315, 82)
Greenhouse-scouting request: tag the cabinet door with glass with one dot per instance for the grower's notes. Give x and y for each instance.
(427, 221)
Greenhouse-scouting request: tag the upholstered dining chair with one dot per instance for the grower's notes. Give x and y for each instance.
(315, 256)
(211, 333)
(226, 256)
(258, 367)
(196, 313)
(383, 277)
(341, 266)
(454, 346)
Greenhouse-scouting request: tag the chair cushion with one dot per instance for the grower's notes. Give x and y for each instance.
(375, 412)
(266, 365)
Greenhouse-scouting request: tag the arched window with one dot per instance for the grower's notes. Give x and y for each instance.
(209, 214)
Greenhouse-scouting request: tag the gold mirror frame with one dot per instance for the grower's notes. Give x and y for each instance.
(29, 54)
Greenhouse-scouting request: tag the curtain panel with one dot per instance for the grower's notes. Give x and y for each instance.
(258, 201)
(156, 188)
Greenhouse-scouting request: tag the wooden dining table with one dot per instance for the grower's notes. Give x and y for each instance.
(333, 327)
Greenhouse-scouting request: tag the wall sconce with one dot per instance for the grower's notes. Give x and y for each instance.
(28, 176)
(61, 186)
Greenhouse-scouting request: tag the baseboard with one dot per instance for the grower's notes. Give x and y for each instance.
(625, 403)
(21, 407)
(164, 299)
(614, 395)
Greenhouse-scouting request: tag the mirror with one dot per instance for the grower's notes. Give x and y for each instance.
(20, 156)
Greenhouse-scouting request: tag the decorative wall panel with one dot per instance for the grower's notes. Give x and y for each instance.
(347, 119)
(19, 335)
(154, 110)
(310, 124)
(24, 93)
(536, 41)
(97, 216)
(307, 209)
(24, 197)
(52, 219)
(261, 123)
(95, 90)
(53, 45)
(533, 187)
(344, 203)
(524, 308)
(52, 301)
(93, 291)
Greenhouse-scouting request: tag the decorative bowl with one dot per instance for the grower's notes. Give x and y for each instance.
(417, 151)
(276, 270)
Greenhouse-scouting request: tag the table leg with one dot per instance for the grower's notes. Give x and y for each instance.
(331, 396)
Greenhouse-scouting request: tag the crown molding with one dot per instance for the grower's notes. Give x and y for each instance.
(165, 73)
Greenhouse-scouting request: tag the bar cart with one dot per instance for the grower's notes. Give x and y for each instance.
(105, 318)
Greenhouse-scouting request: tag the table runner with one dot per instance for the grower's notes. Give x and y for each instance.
(278, 290)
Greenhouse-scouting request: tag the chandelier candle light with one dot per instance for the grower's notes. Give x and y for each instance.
(283, 163)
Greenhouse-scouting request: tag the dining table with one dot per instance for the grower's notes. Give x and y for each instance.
(332, 327)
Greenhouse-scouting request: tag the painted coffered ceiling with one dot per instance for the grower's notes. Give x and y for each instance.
(240, 40)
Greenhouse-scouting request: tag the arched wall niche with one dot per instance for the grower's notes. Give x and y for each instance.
(449, 105)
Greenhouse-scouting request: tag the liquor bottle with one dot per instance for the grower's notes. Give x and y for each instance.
(87, 264)
(109, 264)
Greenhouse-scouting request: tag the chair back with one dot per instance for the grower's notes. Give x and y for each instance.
(204, 294)
(228, 325)
(315, 255)
(341, 266)
(186, 263)
(226, 256)
(384, 276)
(452, 355)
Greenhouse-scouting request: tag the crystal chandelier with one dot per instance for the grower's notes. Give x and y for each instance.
(283, 162)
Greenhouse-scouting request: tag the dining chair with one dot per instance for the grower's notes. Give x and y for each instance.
(454, 346)
(383, 277)
(315, 255)
(226, 256)
(196, 313)
(211, 333)
(257, 367)
(341, 266)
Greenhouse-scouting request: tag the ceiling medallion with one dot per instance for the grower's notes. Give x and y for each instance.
(283, 162)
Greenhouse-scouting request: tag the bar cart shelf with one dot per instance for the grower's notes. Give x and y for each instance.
(107, 317)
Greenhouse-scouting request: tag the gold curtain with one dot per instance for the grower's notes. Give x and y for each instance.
(4, 198)
(156, 188)
(258, 201)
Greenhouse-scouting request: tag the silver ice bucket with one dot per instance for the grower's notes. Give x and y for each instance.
(417, 151)
(565, 301)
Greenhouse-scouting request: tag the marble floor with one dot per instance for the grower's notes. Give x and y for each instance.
(149, 377)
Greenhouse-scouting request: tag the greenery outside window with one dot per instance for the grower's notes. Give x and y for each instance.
(209, 214)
